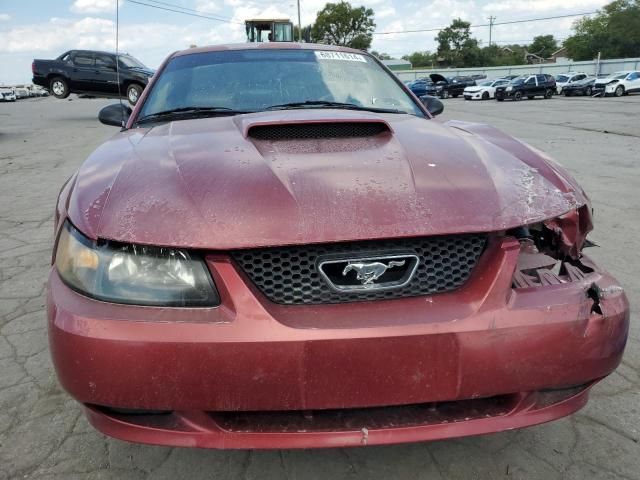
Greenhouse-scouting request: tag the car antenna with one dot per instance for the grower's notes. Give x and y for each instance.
(122, 122)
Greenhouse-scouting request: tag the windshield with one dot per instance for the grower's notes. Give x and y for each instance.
(619, 75)
(562, 78)
(256, 79)
(486, 84)
(130, 62)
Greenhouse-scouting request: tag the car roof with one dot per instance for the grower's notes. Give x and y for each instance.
(267, 46)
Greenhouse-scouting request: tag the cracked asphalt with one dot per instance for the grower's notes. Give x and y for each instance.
(44, 435)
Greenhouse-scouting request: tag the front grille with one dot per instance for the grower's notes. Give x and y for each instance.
(290, 276)
(317, 130)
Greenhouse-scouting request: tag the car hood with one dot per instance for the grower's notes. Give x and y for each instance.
(206, 184)
(436, 77)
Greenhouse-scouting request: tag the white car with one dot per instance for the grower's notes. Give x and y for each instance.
(7, 94)
(484, 90)
(566, 78)
(618, 83)
(22, 92)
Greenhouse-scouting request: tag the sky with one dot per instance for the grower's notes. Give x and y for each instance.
(45, 29)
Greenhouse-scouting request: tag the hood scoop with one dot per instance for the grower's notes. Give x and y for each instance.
(317, 130)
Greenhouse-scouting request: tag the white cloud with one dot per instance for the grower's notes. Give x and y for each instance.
(4, 17)
(93, 6)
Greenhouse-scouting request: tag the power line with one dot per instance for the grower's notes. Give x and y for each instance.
(201, 12)
(493, 24)
(190, 13)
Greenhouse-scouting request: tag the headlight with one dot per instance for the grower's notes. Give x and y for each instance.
(133, 274)
(509, 88)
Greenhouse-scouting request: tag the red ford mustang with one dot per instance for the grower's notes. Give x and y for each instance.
(282, 248)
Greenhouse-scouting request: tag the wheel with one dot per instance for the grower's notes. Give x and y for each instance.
(485, 96)
(588, 91)
(619, 91)
(517, 96)
(531, 97)
(59, 87)
(548, 93)
(133, 93)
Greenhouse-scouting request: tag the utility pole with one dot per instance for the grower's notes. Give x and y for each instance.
(299, 24)
(491, 20)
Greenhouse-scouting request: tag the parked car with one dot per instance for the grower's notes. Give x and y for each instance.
(94, 73)
(484, 90)
(581, 87)
(318, 263)
(456, 85)
(7, 94)
(528, 86)
(428, 86)
(564, 79)
(618, 83)
(21, 92)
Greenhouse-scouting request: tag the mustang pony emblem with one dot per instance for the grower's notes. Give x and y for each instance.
(369, 272)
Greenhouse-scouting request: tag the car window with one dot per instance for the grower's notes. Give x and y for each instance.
(562, 78)
(130, 62)
(541, 78)
(252, 80)
(530, 81)
(83, 60)
(633, 76)
(105, 61)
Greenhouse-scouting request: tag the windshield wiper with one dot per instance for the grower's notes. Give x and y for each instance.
(189, 112)
(327, 104)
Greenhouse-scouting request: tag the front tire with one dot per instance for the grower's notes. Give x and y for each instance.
(548, 94)
(485, 96)
(588, 91)
(133, 93)
(517, 96)
(59, 87)
(619, 91)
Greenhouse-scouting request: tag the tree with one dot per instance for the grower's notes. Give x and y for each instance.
(420, 59)
(342, 24)
(381, 56)
(614, 32)
(455, 45)
(543, 45)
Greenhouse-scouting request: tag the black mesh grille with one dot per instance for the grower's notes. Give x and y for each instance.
(317, 130)
(289, 275)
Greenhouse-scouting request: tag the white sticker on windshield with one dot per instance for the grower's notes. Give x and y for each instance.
(347, 57)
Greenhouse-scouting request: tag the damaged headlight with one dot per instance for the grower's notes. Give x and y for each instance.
(133, 274)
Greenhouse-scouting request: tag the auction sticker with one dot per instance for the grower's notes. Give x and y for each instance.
(347, 57)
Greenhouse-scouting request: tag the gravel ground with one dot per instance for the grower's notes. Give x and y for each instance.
(44, 435)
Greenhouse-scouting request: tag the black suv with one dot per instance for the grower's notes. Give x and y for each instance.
(95, 73)
(529, 86)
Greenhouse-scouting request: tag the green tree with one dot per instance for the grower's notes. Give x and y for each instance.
(456, 47)
(381, 56)
(543, 45)
(420, 59)
(342, 24)
(614, 31)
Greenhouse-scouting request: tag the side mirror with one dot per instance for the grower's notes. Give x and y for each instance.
(432, 104)
(115, 115)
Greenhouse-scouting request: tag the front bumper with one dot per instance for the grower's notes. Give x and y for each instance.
(473, 95)
(252, 374)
